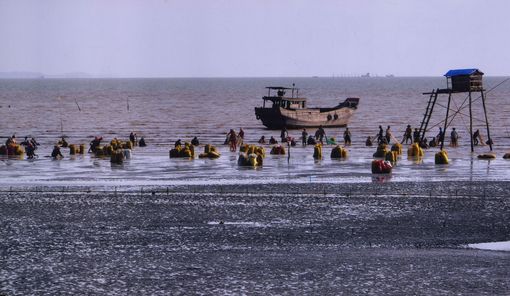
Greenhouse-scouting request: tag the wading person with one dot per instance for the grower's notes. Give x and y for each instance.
(408, 135)
(56, 154)
(142, 142)
(347, 137)
(30, 150)
(380, 135)
(304, 137)
(240, 137)
(388, 135)
(320, 134)
(262, 140)
(416, 136)
(63, 143)
(132, 138)
(34, 143)
(476, 136)
(95, 143)
(454, 138)
(232, 140)
(195, 141)
(284, 134)
(440, 137)
(368, 142)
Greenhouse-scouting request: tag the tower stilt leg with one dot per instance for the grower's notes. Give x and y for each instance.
(471, 124)
(486, 120)
(441, 137)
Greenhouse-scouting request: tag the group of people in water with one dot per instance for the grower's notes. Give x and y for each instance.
(386, 137)
(234, 140)
(29, 144)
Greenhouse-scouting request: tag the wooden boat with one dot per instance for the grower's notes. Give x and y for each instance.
(291, 112)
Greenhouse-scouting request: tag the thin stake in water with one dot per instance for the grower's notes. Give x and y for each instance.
(61, 118)
(76, 101)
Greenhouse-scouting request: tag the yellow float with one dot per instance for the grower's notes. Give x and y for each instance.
(277, 150)
(72, 149)
(117, 156)
(397, 147)
(209, 152)
(188, 151)
(391, 156)
(253, 156)
(12, 150)
(338, 152)
(317, 151)
(381, 151)
(415, 151)
(441, 157)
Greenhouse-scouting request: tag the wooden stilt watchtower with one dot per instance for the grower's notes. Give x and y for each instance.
(457, 81)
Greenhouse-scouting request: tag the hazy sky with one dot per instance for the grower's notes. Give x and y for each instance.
(254, 38)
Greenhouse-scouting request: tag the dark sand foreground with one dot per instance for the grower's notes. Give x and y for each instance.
(375, 238)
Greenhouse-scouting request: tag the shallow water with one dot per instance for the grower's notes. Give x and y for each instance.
(163, 110)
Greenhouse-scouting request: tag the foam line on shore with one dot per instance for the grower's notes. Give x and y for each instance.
(493, 246)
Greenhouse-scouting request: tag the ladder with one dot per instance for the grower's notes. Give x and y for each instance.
(428, 113)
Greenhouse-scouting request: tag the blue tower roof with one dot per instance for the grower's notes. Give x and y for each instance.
(462, 72)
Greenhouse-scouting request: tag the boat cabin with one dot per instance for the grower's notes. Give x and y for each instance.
(279, 97)
(464, 80)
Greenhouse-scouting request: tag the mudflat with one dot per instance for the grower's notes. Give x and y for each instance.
(362, 238)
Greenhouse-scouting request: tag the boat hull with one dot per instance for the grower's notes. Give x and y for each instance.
(277, 118)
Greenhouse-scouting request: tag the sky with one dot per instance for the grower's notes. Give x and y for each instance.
(260, 38)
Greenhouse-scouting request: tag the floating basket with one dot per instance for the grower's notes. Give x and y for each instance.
(391, 156)
(72, 149)
(317, 151)
(397, 147)
(381, 151)
(277, 150)
(381, 167)
(441, 157)
(338, 152)
(415, 151)
(117, 156)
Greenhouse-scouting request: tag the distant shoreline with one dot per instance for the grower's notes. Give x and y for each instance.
(57, 77)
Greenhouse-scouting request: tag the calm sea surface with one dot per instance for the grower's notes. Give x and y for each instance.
(221, 240)
(164, 110)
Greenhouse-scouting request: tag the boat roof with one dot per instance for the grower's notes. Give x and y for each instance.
(278, 87)
(276, 98)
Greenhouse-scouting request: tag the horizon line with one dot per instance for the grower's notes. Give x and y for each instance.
(223, 77)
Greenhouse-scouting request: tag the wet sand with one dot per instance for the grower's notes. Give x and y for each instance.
(373, 238)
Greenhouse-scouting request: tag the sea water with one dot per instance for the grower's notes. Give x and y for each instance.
(164, 110)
